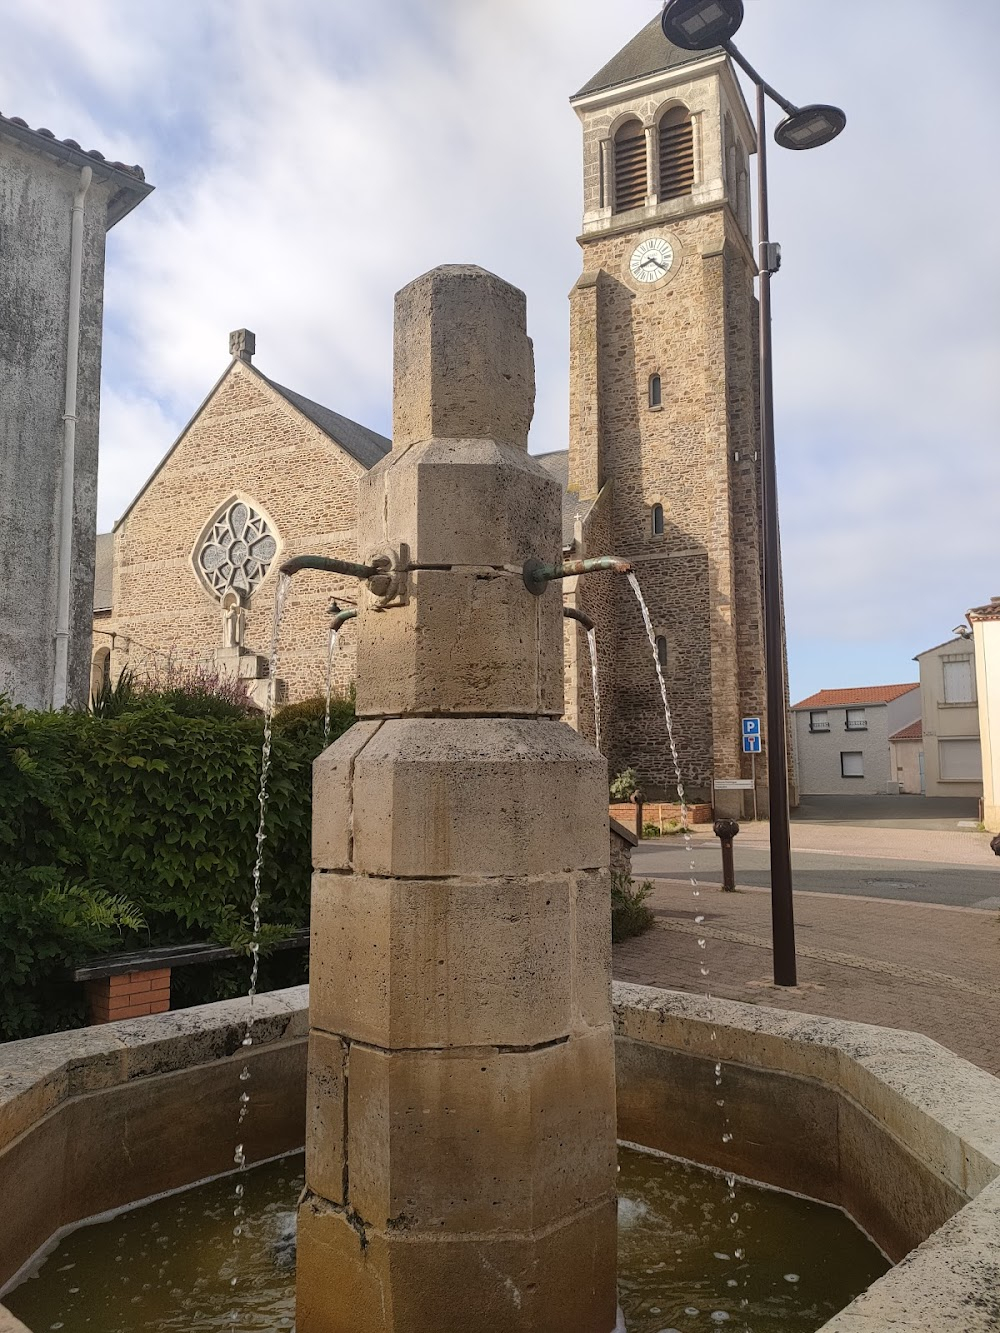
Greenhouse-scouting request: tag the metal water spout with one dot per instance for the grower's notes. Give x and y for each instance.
(330, 565)
(537, 573)
(571, 613)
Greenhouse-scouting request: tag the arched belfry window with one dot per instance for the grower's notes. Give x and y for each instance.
(676, 154)
(661, 651)
(655, 391)
(630, 166)
(657, 520)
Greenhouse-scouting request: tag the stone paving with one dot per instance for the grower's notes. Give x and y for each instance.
(915, 966)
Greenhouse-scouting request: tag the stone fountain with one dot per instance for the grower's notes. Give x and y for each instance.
(460, 1159)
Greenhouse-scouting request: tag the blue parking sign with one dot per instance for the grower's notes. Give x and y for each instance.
(751, 726)
(751, 745)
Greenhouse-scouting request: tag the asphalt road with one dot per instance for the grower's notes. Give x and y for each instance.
(833, 871)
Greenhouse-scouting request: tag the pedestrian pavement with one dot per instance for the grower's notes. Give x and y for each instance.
(915, 966)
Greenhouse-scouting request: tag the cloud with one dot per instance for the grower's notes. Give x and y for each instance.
(312, 157)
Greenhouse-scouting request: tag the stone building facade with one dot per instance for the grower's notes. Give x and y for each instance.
(50, 380)
(258, 475)
(662, 466)
(663, 452)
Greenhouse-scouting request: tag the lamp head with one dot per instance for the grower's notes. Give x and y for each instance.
(697, 25)
(810, 127)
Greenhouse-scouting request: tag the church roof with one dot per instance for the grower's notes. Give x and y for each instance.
(647, 53)
(364, 445)
(104, 562)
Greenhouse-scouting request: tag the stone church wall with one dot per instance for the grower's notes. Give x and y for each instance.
(245, 441)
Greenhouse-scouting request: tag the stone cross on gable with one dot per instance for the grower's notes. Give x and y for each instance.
(243, 344)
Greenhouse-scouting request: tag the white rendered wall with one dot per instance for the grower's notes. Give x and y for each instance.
(987, 641)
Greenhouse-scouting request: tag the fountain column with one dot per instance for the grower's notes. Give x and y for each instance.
(460, 1156)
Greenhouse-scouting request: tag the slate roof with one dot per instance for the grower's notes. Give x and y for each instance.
(131, 179)
(364, 445)
(556, 464)
(864, 694)
(104, 561)
(647, 53)
(914, 732)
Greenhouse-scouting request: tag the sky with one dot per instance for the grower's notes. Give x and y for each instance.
(311, 157)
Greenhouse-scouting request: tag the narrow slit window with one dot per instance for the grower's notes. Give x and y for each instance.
(655, 391)
(676, 154)
(630, 167)
(657, 520)
(661, 651)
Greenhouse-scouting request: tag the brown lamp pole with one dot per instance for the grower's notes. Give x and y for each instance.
(700, 25)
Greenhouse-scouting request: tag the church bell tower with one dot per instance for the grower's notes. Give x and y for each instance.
(663, 412)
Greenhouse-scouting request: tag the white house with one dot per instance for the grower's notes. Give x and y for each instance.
(952, 763)
(842, 738)
(985, 622)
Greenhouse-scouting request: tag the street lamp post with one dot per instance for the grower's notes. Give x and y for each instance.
(698, 25)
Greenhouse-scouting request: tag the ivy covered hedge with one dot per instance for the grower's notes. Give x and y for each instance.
(137, 827)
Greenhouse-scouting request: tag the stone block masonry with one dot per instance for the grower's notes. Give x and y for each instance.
(460, 1161)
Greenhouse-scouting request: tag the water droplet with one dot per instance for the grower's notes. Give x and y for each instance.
(691, 1309)
(244, 1097)
(731, 1282)
(704, 971)
(791, 1277)
(721, 1101)
(727, 1138)
(719, 1255)
(739, 1253)
(701, 944)
(734, 1218)
(718, 1316)
(718, 1070)
(247, 1041)
(244, 1074)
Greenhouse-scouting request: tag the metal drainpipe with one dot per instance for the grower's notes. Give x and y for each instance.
(61, 675)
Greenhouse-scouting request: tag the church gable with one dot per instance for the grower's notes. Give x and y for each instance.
(253, 479)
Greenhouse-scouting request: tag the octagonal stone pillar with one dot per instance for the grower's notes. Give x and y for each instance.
(460, 1158)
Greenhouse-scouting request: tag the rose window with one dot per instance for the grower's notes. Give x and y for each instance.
(236, 549)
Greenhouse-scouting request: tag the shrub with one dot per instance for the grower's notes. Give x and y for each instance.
(136, 829)
(629, 913)
(624, 785)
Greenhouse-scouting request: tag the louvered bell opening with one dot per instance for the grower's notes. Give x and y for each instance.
(676, 156)
(630, 170)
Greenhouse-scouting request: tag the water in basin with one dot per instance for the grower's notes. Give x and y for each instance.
(169, 1266)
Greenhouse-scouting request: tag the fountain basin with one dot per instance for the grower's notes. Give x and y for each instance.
(902, 1134)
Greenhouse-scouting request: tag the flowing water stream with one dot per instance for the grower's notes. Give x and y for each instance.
(158, 1268)
(738, 1231)
(592, 649)
(239, 1156)
(331, 654)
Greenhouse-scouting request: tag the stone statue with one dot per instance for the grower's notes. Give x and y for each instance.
(233, 621)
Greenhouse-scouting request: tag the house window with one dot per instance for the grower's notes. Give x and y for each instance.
(676, 154)
(630, 167)
(819, 721)
(856, 720)
(958, 681)
(657, 520)
(852, 764)
(960, 761)
(655, 391)
(661, 651)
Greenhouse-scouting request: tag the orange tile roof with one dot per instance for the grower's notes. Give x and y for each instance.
(864, 694)
(989, 612)
(914, 732)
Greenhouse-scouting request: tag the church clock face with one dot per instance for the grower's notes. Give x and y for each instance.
(651, 260)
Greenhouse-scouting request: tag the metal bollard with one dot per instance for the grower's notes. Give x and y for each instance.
(638, 800)
(726, 830)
